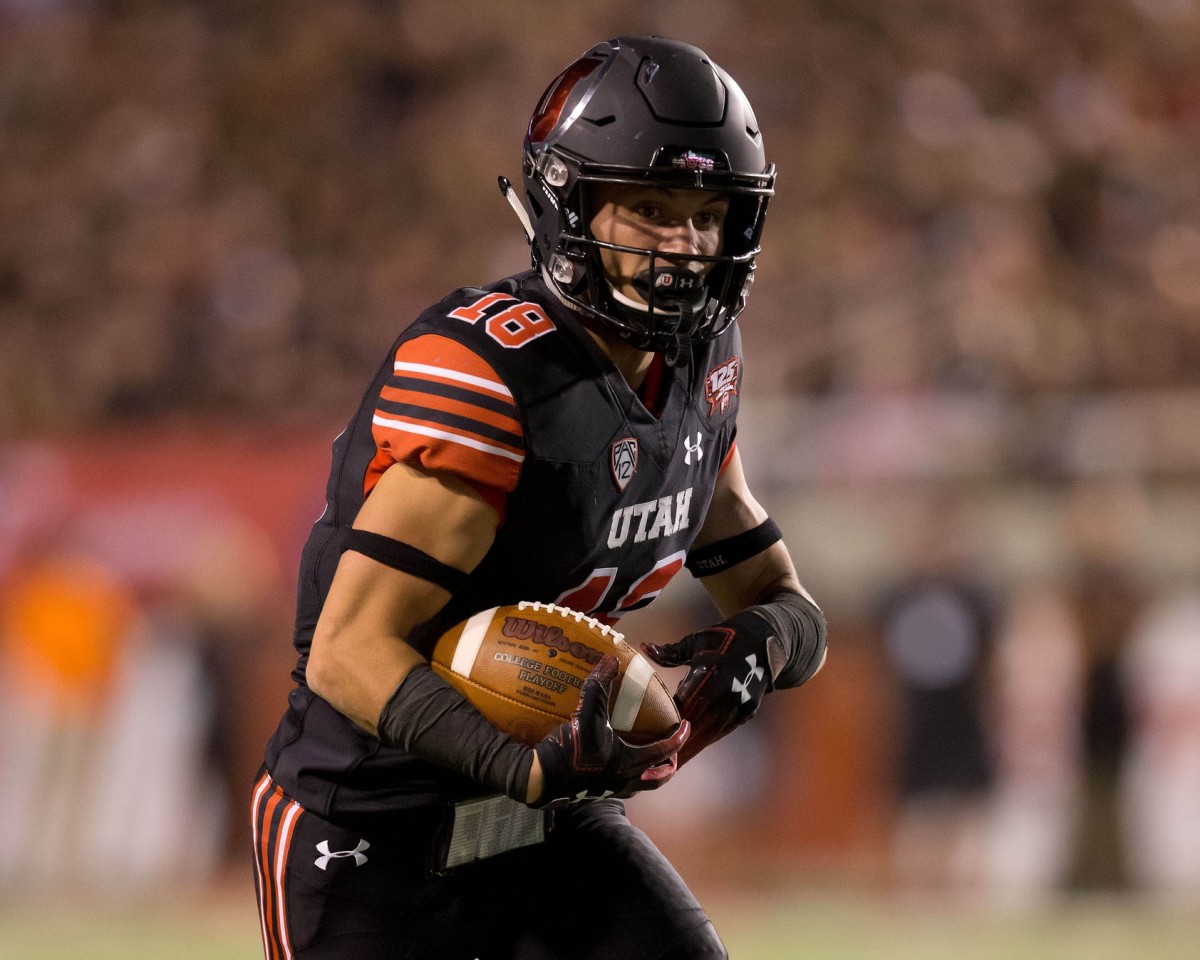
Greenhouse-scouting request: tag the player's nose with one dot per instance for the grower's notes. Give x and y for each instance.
(680, 237)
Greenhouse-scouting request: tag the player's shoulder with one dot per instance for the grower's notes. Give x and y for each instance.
(515, 328)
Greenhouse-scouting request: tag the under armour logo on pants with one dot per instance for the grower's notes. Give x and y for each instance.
(322, 861)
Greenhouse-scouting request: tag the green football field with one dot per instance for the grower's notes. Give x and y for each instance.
(780, 926)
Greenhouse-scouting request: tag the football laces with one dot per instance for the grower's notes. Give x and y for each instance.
(603, 629)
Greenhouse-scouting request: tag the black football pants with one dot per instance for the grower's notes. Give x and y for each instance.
(595, 889)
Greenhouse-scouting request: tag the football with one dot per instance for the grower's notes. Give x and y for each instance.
(523, 668)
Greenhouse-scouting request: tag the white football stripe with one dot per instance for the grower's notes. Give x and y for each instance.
(631, 694)
(470, 642)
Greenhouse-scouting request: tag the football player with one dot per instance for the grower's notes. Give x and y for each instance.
(565, 435)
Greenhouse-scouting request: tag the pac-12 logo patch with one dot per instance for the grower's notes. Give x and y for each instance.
(721, 384)
(624, 461)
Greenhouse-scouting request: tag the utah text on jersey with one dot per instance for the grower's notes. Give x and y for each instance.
(655, 518)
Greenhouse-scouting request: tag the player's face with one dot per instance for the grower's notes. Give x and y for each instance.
(656, 218)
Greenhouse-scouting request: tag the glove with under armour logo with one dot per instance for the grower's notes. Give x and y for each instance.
(584, 759)
(730, 673)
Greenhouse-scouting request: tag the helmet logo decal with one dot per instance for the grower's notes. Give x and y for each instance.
(694, 160)
(548, 113)
(624, 460)
(721, 385)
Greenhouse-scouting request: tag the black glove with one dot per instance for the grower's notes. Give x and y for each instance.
(584, 759)
(730, 674)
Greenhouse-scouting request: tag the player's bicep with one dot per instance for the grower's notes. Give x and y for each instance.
(358, 653)
(438, 515)
(732, 512)
(733, 508)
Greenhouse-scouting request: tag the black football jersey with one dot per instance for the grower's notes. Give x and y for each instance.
(600, 499)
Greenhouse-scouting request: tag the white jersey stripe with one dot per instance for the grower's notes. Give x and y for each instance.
(494, 386)
(471, 640)
(425, 431)
(631, 693)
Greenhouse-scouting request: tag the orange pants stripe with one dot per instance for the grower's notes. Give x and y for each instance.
(274, 826)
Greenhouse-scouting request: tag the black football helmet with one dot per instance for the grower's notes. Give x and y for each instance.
(645, 110)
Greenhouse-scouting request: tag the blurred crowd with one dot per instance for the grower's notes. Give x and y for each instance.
(231, 205)
(216, 215)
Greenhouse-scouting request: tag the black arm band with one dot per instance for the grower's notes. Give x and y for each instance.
(798, 625)
(430, 719)
(723, 554)
(406, 558)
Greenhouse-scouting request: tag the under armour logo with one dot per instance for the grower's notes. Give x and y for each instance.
(322, 861)
(687, 457)
(586, 795)
(755, 674)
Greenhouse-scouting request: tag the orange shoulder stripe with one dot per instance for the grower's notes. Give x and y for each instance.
(447, 410)
(444, 360)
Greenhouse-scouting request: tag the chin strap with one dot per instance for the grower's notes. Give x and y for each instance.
(674, 351)
(509, 194)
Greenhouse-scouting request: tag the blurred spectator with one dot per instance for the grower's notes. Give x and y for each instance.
(1161, 780)
(1039, 678)
(64, 620)
(938, 629)
(1105, 520)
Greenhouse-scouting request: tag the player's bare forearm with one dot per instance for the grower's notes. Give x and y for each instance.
(750, 581)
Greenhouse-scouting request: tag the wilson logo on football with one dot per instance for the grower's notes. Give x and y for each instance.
(553, 637)
(721, 385)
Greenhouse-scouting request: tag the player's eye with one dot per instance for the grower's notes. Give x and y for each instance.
(707, 219)
(651, 212)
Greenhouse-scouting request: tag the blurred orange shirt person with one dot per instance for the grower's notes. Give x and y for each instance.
(62, 624)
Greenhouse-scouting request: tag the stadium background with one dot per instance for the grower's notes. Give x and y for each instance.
(975, 343)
